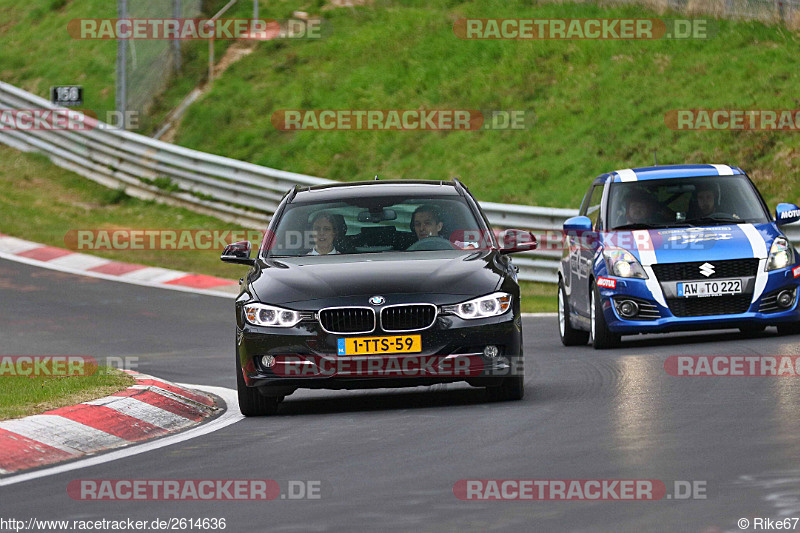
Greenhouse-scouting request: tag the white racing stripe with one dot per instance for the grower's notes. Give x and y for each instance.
(723, 170)
(230, 416)
(647, 257)
(63, 434)
(759, 251)
(143, 411)
(627, 175)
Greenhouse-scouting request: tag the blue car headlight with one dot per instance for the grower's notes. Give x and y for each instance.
(781, 254)
(622, 263)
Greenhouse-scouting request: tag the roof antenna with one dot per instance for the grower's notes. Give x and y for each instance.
(655, 156)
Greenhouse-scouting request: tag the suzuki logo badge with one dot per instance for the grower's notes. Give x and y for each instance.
(707, 269)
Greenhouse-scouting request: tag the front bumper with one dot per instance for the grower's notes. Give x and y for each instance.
(452, 350)
(668, 321)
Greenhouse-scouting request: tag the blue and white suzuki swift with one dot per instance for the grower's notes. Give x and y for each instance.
(672, 248)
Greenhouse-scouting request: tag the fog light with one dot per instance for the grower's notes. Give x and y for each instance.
(491, 351)
(785, 299)
(268, 361)
(628, 309)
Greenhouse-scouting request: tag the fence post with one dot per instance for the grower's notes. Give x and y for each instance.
(176, 44)
(121, 93)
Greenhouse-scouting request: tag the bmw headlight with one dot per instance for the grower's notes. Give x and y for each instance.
(268, 315)
(483, 307)
(781, 254)
(622, 263)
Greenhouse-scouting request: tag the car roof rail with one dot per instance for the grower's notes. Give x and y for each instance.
(460, 187)
(292, 192)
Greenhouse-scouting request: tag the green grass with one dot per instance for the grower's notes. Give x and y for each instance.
(598, 105)
(23, 396)
(37, 52)
(41, 202)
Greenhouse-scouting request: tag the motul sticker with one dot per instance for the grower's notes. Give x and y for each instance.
(607, 282)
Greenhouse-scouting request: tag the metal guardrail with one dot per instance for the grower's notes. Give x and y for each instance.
(229, 189)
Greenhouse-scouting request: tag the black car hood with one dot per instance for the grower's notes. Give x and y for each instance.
(293, 279)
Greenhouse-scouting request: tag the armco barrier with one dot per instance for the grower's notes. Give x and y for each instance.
(231, 190)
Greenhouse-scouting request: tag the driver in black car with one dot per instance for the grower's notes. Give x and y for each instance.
(426, 222)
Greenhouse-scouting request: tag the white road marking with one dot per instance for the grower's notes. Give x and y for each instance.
(230, 416)
(145, 412)
(12, 245)
(62, 433)
(154, 275)
(79, 261)
(109, 277)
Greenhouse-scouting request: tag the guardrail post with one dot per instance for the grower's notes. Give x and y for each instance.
(121, 94)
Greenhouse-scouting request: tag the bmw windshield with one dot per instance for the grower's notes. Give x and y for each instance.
(375, 225)
(684, 202)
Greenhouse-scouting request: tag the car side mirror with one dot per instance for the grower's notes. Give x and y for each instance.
(577, 225)
(786, 214)
(516, 240)
(238, 253)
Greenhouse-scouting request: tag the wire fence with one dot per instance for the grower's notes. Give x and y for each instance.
(145, 66)
(785, 12)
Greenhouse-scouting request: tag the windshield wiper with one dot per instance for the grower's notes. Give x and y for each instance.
(715, 220)
(641, 225)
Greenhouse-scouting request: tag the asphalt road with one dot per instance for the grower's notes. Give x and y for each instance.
(389, 459)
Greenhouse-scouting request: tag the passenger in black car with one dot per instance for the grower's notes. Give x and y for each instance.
(328, 229)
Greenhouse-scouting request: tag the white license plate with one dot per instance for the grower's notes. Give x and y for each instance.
(717, 287)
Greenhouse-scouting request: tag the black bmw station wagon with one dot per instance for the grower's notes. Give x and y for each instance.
(378, 284)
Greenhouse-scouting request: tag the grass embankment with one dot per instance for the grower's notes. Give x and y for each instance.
(598, 105)
(22, 395)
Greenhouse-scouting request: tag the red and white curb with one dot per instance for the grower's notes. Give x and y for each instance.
(150, 408)
(88, 265)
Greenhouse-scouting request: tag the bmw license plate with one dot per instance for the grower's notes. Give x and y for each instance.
(717, 287)
(379, 345)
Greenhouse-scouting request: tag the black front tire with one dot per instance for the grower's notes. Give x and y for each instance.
(251, 401)
(569, 335)
(600, 336)
(751, 331)
(510, 389)
(789, 328)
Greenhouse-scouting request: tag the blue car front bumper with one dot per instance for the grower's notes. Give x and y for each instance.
(756, 313)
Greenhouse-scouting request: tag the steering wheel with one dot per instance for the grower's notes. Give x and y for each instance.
(431, 243)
